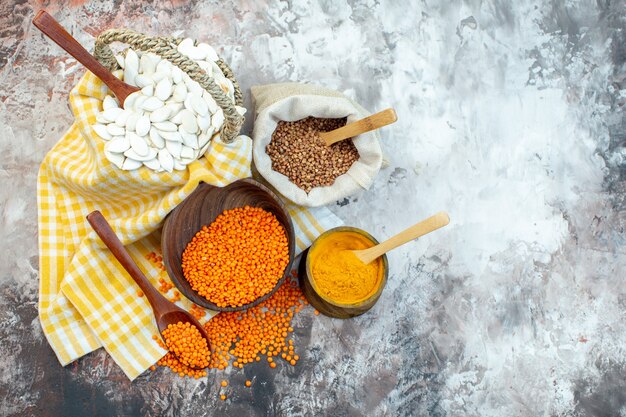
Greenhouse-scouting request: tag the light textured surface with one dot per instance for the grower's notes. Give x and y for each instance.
(510, 117)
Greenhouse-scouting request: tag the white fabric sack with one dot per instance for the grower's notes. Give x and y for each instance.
(294, 101)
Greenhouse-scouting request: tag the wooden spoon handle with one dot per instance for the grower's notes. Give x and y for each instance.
(51, 28)
(350, 130)
(110, 239)
(420, 229)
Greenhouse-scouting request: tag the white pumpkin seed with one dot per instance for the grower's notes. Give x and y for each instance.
(115, 130)
(180, 92)
(142, 80)
(152, 103)
(100, 119)
(156, 139)
(203, 122)
(174, 107)
(138, 144)
(203, 139)
(188, 121)
(199, 105)
(165, 160)
(139, 102)
(211, 103)
(153, 164)
(186, 152)
(146, 65)
(116, 159)
(211, 55)
(207, 67)
(171, 136)
(150, 154)
(117, 145)
(165, 67)
(129, 103)
(158, 76)
(174, 148)
(122, 118)
(177, 75)
(217, 120)
(196, 53)
(176, 118)
(109, 103)
(189, 139)
(131, 60)
(241, 110)
(129, 74)
(148, 90)
(185, 45)
(160, 115)
(120, 60)
(178, 165)
(194, 87)
(163, 89)
(143, 125)
(131, 122)
(111, 114)
(187, 102)
(102, 131)
(131, 164)
(166, 126)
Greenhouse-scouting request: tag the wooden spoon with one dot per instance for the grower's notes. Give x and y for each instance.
(51, 28)
(164, 310)
(420, 229)
(375, 121)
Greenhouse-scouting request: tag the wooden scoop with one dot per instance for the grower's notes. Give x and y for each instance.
(420, 229)
(51, 28)
(375, 121)
(164, 310)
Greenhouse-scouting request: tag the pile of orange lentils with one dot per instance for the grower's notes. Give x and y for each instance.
(245, 336)
(260, 333)
(238, 258)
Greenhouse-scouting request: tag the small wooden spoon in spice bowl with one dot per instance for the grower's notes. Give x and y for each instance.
(176, 325)
(345, 270)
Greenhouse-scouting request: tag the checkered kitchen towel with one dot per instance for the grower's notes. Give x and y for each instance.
(86, 299)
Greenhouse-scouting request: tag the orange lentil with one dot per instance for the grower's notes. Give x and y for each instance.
(246, 335)
(186, 342)
(273, 365)
(237, 258)
(248, 383)
(223, 397)
(139, 294)
(317, 313)
(224, 383)
(152, 368)
(292, 362)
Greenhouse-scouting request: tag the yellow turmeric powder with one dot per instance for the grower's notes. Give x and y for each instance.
(338, 274)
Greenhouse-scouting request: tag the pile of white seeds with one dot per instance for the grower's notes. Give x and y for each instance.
(170, 122)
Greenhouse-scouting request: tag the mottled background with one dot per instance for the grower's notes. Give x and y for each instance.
(510, 117)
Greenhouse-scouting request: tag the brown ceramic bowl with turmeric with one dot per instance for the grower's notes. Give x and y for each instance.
(336, 286)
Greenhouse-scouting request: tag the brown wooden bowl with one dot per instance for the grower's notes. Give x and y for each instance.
(325, 305)
(201, 208)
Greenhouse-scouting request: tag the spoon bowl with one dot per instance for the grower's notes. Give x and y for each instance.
(165, 312)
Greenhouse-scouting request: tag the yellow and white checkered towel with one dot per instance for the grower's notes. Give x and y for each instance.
(86, 299)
